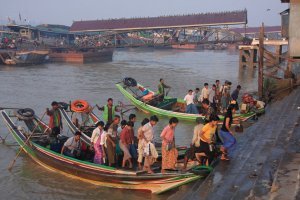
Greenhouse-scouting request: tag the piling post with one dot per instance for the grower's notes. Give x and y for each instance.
(241, 58)
(251, 56)
(261, 62)
(278, 51)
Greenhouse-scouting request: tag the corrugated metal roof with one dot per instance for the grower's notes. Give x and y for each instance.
(287, 11)
(59, 29)
(249, 30)
(221, 18)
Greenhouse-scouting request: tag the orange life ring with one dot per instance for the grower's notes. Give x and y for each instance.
(148, 97)
(79, 105)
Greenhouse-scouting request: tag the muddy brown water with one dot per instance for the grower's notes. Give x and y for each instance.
(37, 86)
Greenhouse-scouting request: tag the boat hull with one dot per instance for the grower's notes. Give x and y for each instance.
(27, 58)
(93, 173)
(107, 177)
(82, 57)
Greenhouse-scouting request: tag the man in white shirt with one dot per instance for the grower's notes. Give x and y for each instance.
(190, 106)
(72, 146)
(148, 133)
(148, 129)
(204, 92)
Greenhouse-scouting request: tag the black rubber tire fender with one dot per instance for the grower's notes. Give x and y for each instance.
(25, 114)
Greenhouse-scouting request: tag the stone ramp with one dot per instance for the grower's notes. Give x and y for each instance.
(286, 184)
(261, 156)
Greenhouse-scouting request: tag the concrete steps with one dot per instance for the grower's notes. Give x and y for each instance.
(250, 174)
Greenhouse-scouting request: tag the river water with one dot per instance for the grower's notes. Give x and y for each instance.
(37, 86)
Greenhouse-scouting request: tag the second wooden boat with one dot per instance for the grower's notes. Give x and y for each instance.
(169, 107)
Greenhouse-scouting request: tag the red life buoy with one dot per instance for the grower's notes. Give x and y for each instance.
(79, 105)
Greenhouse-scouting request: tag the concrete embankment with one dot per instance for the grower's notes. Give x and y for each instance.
(265, 163)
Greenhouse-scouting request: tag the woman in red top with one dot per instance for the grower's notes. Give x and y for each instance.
(169, 152)
(125, 140)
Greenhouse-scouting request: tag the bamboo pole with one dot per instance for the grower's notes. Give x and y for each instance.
(261, 62)
(22, 147)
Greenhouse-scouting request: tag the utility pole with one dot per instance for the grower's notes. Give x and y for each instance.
(261, 62)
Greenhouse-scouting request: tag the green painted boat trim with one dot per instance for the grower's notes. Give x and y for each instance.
(184, 183)
(20, 141)
(209, 168)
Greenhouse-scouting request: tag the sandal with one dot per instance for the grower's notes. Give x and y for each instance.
(225, 158)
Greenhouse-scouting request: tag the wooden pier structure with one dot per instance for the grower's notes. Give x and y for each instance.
(249, 53)
(248, 56)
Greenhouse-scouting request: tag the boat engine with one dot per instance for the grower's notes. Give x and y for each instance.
(130, 82)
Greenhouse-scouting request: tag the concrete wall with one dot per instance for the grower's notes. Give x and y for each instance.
(294, 28)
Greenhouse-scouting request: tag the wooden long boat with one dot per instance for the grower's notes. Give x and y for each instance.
(86, 171)
(170, 107)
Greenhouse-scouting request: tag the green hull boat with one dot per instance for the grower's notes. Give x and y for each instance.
(170, 107)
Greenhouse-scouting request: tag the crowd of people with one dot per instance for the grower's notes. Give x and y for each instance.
(206, 136)
(110, 142)
(218, 96)
(9, 43)
(114, 142)
(88, 41)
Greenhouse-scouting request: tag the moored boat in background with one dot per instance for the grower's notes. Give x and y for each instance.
(24, 57)
(80, 55)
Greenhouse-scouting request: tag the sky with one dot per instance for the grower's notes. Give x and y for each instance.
(66, 11)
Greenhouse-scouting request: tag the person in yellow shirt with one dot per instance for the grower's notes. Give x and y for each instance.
(206, 139)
